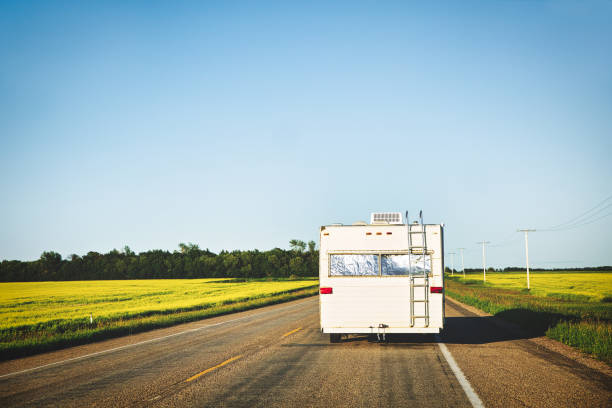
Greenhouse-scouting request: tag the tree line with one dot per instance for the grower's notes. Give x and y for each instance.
(189, 261)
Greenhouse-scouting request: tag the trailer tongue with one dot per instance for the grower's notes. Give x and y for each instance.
(380, 278)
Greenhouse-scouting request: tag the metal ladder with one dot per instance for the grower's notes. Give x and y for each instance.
(418, 250)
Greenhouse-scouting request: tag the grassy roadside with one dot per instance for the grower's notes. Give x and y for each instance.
(576, 320)
(53, 335)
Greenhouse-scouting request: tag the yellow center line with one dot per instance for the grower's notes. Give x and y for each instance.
(208, 370)
(292, 331)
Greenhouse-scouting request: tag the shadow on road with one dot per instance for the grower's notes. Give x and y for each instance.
(479, 330)
(458, 330)
(470, 329)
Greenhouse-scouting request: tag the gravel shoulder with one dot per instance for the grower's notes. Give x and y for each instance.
(508, 367)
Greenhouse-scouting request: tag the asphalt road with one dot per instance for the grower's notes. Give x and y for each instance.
(276, 357)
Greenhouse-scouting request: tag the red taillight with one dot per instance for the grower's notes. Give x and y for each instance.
(326, 291)
(435, 289)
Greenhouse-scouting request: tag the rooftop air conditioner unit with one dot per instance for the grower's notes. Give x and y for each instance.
(386, 218)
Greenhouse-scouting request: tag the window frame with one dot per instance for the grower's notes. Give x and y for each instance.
(380, 254)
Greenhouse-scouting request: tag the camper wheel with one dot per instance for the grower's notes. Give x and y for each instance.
(334, 337)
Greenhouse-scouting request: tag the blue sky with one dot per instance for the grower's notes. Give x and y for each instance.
(239, 125)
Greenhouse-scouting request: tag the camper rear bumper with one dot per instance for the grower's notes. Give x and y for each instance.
(374, 330)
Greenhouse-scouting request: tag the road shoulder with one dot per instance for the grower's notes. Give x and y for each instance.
(541, 341)
(508, 367)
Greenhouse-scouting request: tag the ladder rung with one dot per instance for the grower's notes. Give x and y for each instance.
(420, 286)
(420, 317)
(419, 301)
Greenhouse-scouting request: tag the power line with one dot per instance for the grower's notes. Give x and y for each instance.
(584, 218)
(583, 214)
(591, 221)
(586, 221)
(507, 237)
(592, 215)
(506, 243)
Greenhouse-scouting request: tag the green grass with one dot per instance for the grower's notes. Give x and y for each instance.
(41, 316)
(570, 307)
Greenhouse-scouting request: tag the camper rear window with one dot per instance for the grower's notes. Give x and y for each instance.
(368, 264)
(354, 265)
(394, 265)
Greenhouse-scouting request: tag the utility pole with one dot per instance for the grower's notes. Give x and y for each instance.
(452, 254)
(526, 231)
(462, 268)
(484, 258)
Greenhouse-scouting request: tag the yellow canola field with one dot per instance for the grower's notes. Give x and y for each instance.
(27, 303)
(594, 285)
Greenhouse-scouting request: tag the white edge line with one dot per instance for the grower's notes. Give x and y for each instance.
(139, 343)
(465, 384)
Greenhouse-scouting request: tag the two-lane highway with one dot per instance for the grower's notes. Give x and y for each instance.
(276, 356)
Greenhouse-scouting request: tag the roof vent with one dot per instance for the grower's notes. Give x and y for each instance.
(386, 218)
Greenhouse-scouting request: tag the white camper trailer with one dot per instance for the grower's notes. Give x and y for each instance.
(383, 277)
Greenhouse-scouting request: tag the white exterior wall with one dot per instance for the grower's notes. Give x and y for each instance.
(359, 304)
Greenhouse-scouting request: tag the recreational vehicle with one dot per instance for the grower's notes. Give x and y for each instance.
(380, 278)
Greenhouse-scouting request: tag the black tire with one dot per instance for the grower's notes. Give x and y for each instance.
(334, 337)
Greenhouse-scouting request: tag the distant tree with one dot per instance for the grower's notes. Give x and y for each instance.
(119, 269)
(297, 245)
(209, 266)
(50, 262)
(311, 246)
(50, 258)
(189, 248)
(273, 265)
(296, 266)
(230, 263)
